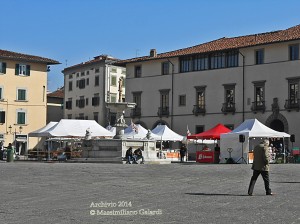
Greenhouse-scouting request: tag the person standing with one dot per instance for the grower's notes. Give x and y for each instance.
(261, 166)
(182, 153)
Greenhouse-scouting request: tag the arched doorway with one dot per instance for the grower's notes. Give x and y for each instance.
(277, 125)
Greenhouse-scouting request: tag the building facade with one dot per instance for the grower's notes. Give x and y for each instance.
(223, 81)
(89, 85)
(55, 101)
(23, 97)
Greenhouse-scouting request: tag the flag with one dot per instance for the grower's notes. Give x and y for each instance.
(134, 127)
(188, 133)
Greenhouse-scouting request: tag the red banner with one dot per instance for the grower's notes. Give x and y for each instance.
(205, 156)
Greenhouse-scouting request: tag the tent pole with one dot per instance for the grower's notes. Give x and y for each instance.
(283, 150)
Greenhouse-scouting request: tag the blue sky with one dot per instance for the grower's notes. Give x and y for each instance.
(74, 31)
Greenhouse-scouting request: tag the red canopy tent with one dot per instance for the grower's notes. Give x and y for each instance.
(213, 133)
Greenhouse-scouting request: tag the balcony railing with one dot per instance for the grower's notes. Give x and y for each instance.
(136, 112)
(292, 104)
(163, 112)
(228, 108)
(199, 109)
(258, 106)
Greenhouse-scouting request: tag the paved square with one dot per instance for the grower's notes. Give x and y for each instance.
(33, 192)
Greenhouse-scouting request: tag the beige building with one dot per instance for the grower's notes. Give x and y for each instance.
(23, 99)
(223, 81)
(89, 85)
(55, 100)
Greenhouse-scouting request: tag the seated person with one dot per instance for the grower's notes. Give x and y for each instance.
(138, 154)
(205, 148)
(129, 156)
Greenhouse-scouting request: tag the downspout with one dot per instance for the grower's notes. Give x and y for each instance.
(243, 112)
(172, 93)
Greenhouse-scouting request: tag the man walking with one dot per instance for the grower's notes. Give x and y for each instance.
(261, 166)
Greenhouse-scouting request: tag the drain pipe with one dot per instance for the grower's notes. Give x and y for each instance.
(172, 93)
(243, 112)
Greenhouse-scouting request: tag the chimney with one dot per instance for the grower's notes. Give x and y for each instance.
(153, 53)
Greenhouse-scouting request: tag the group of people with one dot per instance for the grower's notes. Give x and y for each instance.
(133, 156)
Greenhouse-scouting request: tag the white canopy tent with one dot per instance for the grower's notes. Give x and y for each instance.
(166, 134)
(74, 128)
(42, 132)
(253, 130)
(138, 132)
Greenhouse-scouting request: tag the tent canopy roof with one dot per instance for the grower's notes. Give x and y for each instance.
(42, 132)
(254, 128)
(166, 134)
(213, 133)
(76, 128)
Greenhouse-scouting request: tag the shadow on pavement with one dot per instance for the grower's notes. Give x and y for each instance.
(216, 194)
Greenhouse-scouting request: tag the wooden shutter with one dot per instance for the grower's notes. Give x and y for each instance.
(17, 69)
(28, 70)
(2, 117)
(3, 68)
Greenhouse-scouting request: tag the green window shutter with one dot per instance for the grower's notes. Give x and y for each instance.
(17, 69)
(21, 118)
(4, 67)
(28, 70)
(2, 117)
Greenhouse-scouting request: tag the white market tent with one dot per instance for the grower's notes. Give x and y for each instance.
(252, 129)
(166, 134)
(74, 128)
(42, 132)
(139, 133)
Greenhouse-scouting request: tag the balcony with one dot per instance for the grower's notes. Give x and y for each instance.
(228, 108)
(199, 109)
(258, 106)
(136, 112)
(163, 112)
(292, 104)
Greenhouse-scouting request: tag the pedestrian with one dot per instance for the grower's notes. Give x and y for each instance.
(138, 154)
(129, 156)
(261, 166)
(182, 153)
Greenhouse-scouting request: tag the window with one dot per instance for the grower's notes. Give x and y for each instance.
(165, 68)
(69, 116)
(87, 81)
(96, 100)
(293, 98)
(182, 100)
(81, 84)
(2, 68)
(113, 98)
(96, 116)
(22, 70)
(217, 60)
(82, 74)
(199, 129)
(200, 96)
(97, 70)
(2, 117)
(259, 96)
(229, 98)
(137, 71)
(114, 80)
(21, 117)
(21, 94)
(200, 62)
(81, 102)
(137, 98)
(86, 101)
(294, 52)
(70, 85)
(87, 72)
(69, 104)
(164, 103)
(97, 80)
(71, 76)
(114, 70)
(259, 56)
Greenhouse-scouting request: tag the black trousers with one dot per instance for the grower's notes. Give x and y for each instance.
(265, 176)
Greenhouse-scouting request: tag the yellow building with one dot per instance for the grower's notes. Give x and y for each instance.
(23, 98)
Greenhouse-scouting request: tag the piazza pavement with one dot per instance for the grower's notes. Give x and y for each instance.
(52, 192)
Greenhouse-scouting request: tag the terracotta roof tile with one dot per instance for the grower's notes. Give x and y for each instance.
(26, 57)
(57, 94)
(231, 43)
